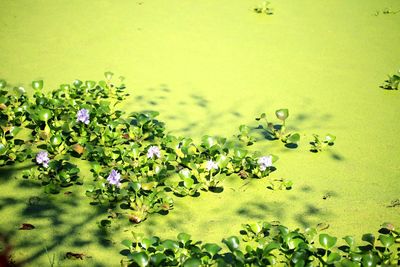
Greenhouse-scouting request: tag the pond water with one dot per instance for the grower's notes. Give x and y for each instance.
(208, 66)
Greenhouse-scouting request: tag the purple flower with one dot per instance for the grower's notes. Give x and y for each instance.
(265, 162)
(83, 116)
(43, 158)
(211, 165)
(153, 151)
(114, 178)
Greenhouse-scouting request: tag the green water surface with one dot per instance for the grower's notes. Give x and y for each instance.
(209, 66)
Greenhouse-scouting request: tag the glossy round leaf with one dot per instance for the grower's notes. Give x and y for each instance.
(294, 138)
(37, 85)
(387, 240)
(157, 259)
(212, 248)
(3, 149)
(170, 245)
(188, 182)
(108, 75)
(55, 140)
(3, 84)
(77, 83)
(334, 257)
(350, 241)
(232, 243)
(327, 241)
(44, 114)
(369, 260)
(184, 237)
(141, 258)
(282, 114)
(370, 238)
(90, 84)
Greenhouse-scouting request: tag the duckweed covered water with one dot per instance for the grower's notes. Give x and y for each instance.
(209, 66)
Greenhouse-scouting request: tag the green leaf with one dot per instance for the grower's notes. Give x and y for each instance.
(148, 242)
(44, 114)
(270, 247)
(333, 257)
(184, 237)
(350, 240)
(232, 243)
(256, 228)
(127, 243)
(327, 241)
(37, 85)
(330, 138)
(56, 140)
(387, 240)
(294, 138)
(369, 260)
(170, 245)
(370, 238)
(157, 259)
(240, 153)
(185, 173)
(192, 262)
(3, 84)
(19, 90)
(212, 248)
(77, 83)
(135, 186)
(188, 182)
(141, 258)
(348, 263)
(3, 149)
(90, 84)
(108, 75)
(282, 114)
(208, 141)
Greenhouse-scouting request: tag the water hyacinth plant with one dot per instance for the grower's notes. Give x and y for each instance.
(154, 165)
(264, 8)
(266, 244)
(319, 144)
(393, 82)
(278, 131)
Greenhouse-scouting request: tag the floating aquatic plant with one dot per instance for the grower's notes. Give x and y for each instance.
(278, 131)
(393, 82)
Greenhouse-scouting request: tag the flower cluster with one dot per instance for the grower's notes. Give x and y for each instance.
(265, 162)
(43, 158)
(153, 151)
(210, 165)
(114, 178)
(83, 116)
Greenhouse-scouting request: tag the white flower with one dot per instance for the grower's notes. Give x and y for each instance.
(153, 151)
(265, 162)
(211, 165)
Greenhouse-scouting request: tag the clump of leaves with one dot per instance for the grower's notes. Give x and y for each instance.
(82, 120)
(386, 11)
(321, 143)
(264, 8)
(244, 135)
(392, 83)
(57, 175)
(278, 131)
(266, 244)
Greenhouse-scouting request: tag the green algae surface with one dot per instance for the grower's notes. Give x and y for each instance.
(208, 66)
